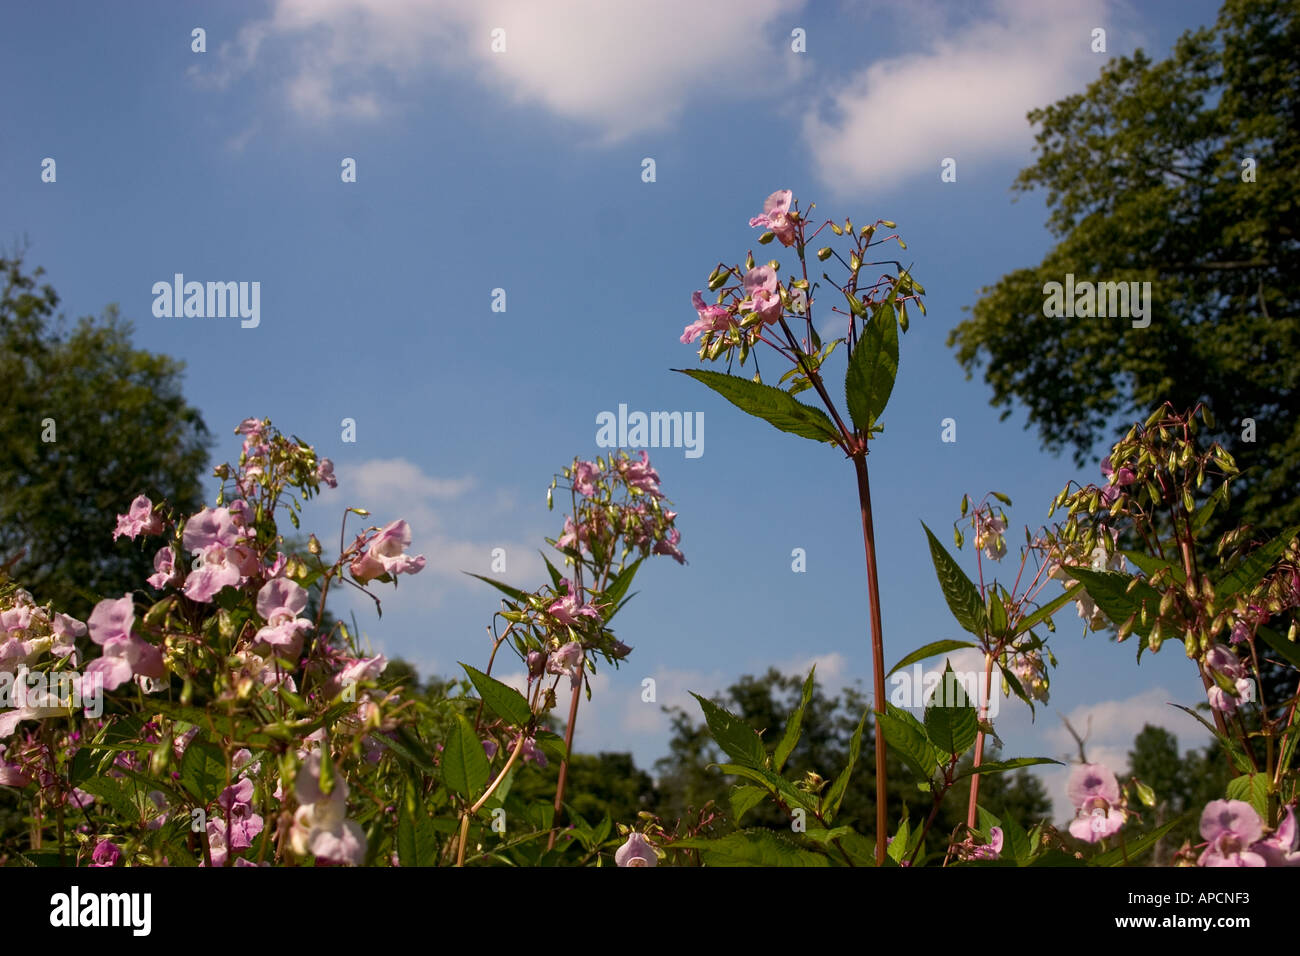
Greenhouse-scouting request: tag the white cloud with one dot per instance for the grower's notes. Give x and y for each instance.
(619, 68)
(964, 97)
(392, 488)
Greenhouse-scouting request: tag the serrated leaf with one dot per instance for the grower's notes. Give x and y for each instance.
(836, 793)
(773, 405)
(743, 799)
(506, 589)
(502, 699)
(1253, 789)
(1255, 565)
(989, 767)
(873, 367)
(905, 735)
(961, 594)
(737, 739)
(790, 739)
(464, 763)
(203, 770)
(930, 650)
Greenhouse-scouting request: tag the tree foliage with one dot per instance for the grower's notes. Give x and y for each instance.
(1147, 179)
(87, 423)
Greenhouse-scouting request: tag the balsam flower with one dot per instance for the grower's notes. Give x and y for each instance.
(1221, 660)
(712, 318)
(320, 826)
(124, 656)
(279, 602)
(569, 608)
(775, 216)
(385, 554)
(1230, 827)
(139, 519)
(637, 851)
(1093, 790)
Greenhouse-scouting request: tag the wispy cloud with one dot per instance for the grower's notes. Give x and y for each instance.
(617, 68)
(963, 97)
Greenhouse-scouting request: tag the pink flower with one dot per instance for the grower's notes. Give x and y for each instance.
(712, 318)
(639, 475)
(124, 655)
(1093, 790)
(585, 477)
(637, 851)
(320, 826)
(1223, 661)
(325, 473)
(569, 608)
(138, 520)
(669, 547)
(1125, 475)
(775, 216)
(567, 660)
(530, 751)
(279, 602)
(164, 566)
(218, 568)
(106, 854)
(250, 426)
(1230, 827)
(1280, 848)
(111, 620)
(988, 535)
(66, 631)
(211, 526)
(363, 669)
(386, 555)
(760, 286)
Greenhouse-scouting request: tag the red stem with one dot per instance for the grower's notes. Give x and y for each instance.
(877, 653)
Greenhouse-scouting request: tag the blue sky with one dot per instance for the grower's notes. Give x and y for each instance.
(522, 170)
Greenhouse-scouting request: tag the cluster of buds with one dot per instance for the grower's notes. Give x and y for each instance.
(753, 302)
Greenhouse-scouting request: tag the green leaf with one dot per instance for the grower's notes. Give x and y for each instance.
(930, 650)
(790, 739)
(1256, 564)
(904, 734)
(116, 796)
(1002, 766)
(1149, 565)
(841, 784)
(1132, 850)
(506, 589)
(951, 723)
(1253, 789)
(618, 586)
(1048, 609)
(1203, 514)
(898, 845)
(417, 841)
(1279, 644)
(873, 368)
(737, 739)
(774, 783)
(751, 848)
(502, 699)
(464, 764)
(1109, 589)
(203, 770)
(770, 404)
(744, 799)
(1239, 759)
(962, 596)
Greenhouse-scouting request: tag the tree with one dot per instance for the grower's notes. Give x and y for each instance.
(1180, 173)
(87, 423)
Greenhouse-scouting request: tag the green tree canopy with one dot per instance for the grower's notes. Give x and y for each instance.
(1181, 173)
(87, 423)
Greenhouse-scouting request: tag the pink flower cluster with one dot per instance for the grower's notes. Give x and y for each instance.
(1234, 836)
(1093, 790)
